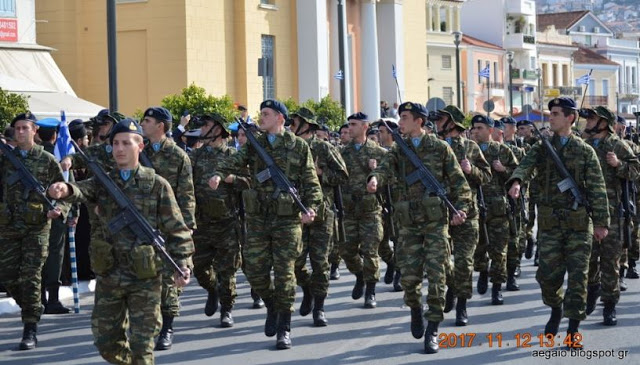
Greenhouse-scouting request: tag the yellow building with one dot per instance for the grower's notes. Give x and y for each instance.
(163, 46)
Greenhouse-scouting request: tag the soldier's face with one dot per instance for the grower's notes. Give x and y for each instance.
(344, 136)
(242, 137)
(408, 124)
(126, 148)
(496, 134)
(524, 131)
(480, 132)
(558, 121)
(357, 128)
(509, 130)
(385, 136)
(151, 127)
(104, 130)
(592, 121)
(440, 122)
(270, 120)
(25, 132)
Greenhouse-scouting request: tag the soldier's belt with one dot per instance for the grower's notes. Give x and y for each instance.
(551, 218)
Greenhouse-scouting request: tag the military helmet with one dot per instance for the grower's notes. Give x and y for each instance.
(455, 114)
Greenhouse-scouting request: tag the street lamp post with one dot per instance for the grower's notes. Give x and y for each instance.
(457, 37)
(510, 60)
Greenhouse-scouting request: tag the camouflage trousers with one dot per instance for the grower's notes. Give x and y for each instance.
(564, 250)
(633, 252)
(334, 251)
(217, 258)
(273, 243)
(126, 317)
(516, 245)
(604, 264)
(384, 249)
(53, 265)
(464, 239)
(316, 242)
(24, 251)
(360, 251)
(496, 248)
(425, 248)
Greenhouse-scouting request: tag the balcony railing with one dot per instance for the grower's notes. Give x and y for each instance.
(593, 100)
(529, 39)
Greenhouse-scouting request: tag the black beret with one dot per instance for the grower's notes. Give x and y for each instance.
(621, 120)
(275, 105)
(372, 131)
(24, 116)
(498, 123)
(359, 116)
(524, 123)
(343, 127)
(126, 125)
(381, 123)
(482, 119)
(413, 107)
(158, 112)
(563, 102)
(508, 120)
(77, 129)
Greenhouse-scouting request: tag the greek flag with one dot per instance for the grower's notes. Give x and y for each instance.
(486, 73)
(339, 75)
(63, 145)
(393, 72)
(584, 79)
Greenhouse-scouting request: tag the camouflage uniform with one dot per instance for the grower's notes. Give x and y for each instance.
(424, 219)
(274, 231)
(173, 164)
(604, 265)
(497, 210)
(124, 301)
(631, 254)
(517, 242)
(465, 236)
(363, 213)
(25, 230)
(564, 235)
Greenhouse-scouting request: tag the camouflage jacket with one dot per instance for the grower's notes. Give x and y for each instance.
(357, 162)
(101, 153)
(518, 151)
(293, 156)
(493, 151)
(480, 174)
(628, 169)
(334, 170)
(582, 163)
(172, 163)
(152, 196)
(74, 209)
(29, 212)
(212, 204)
(439, 158)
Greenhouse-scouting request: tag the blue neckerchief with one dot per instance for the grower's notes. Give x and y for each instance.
(24, 153)
(596, 142)
(449, 140)
(156, 146)
(416, 141)
(357, 146)
(271, 138)
(484, 146)
(125, 174)
(564, 140)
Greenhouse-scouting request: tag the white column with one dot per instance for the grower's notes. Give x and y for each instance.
(313, 58)
(391, 46)
(436, 14)
(369, 70)
(334, 50)
(429, 11)
(449, 19)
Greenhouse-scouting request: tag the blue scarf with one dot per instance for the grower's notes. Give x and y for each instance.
(156, 146)
(357, 146)
(271, 138)
(564, 140)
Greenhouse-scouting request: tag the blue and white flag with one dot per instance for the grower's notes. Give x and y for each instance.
(486, 73)
(339, 75)
(584, 79)
(63, 145)
(393, 72)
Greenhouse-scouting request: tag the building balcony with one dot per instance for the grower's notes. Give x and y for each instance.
(595, 100)
(521, 7)
(629, 89)
(618, 43)
(519, 41)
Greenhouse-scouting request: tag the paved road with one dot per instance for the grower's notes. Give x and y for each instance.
(354, 336)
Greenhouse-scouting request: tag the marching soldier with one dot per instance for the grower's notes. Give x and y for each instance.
(317, 236)
(465, 236)
(566, 233)
(25, 222)
(273, 223)
(173, 164)
(502, 163)
(424, 219)
(129, 284)
(363, 213)
(618, 162)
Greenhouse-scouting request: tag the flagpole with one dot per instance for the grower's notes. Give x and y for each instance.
(584, 94)
(488, 95)
(395, 77)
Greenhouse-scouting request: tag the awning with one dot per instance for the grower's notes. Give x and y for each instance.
(49, 104)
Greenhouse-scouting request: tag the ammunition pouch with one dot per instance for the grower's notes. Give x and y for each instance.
(143, 261)
(403, 213)
(5, 214)
(433, 208)
(214, 208)
(549, 219)
(286, 207)
(34, 214)
(251, 203)
(101, 256)
(496, 207)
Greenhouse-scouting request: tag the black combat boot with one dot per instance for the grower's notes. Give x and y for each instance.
(632, 273)
(554, 321)
(536, 258)
(388, 276)
(528, 251)
(593, 292)
(358, 288)
(461, 312)
(517, 271)
(572, 330)
(257, 301)
(417, 323)
(272, 319)
(623, 285)
(335, 272)
(449, 300)
(307, 301)
(431, 338)
(165, 338)
(53, 305)
(496, 294)
(397, 287)
(483, 282)
(319, 320)
(283, 341)
(609, 314)
(226, 319)
(512, 283)
(370, 296)
(29, 339)
(213, 298)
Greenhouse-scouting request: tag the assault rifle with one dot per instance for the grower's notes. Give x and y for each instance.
(627, 211)
(339, 205)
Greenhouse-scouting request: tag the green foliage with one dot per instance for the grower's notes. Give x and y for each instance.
(328, 109)
(467, 120)
(197, 102)
(11, 105)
